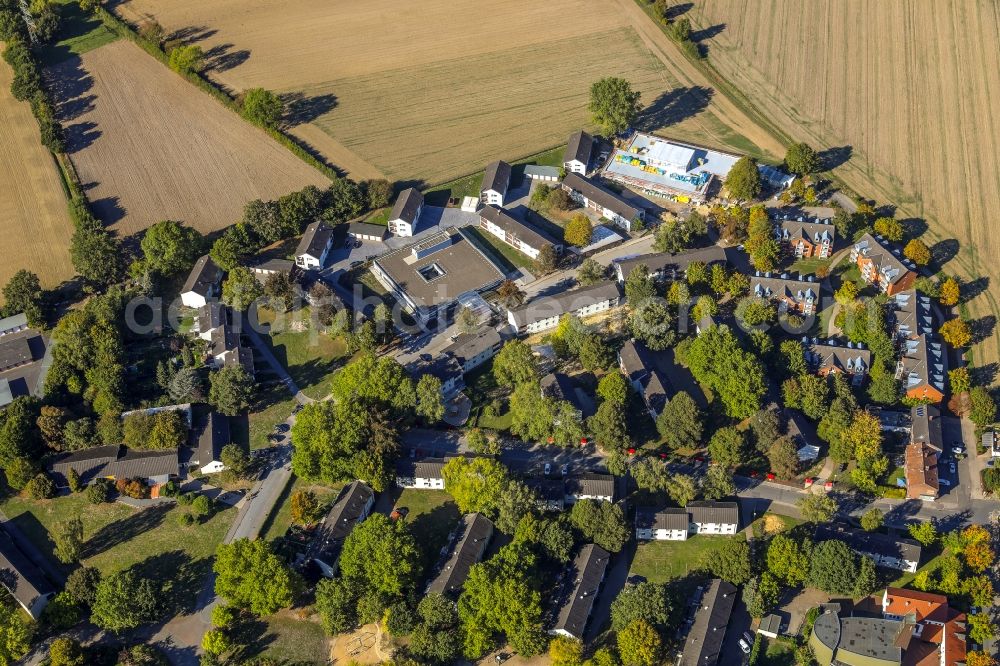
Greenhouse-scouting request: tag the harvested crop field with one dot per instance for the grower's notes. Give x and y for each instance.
(909, 86)
(434, 90)
(34, 221)
(149, 146)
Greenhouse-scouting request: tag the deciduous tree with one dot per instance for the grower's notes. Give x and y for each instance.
(917, 252)
(251, 576)
(578, 230)
(232, 389)
(801, 159)
(262, 107)
(639, 644)
(382, 555)
(600, 522)
(680, 422)
(956, 332)
(613, 104)
(743, 181)
(169, 247)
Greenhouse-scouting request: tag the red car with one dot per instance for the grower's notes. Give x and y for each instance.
(631, 451)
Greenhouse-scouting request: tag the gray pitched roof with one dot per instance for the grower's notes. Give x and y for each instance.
(587, 572)
(601, 195)
(465, 548)
(117, 461)
(846, 357)
(926, 426)
(88, 463)
(273, 266)
(14, 352)
(673, 265)
(870, 542)
(134, 464)
(22, 578)
(345, 513)
(314, 240)
(714, 512)
(13, 323)
(569, 301)
(912, 313)
(596, 485)
(579, 147)
(512, 226)
(407, 204)
(923, 361)
(213, 436)
(704, 640)
(785, 287)
(886, 260)
(651, 518)
(204, 275)
(365, 229)
(811, 231)
(497, 177)
(426, 468)
(211, 316)
(469, 345)
(6, 395)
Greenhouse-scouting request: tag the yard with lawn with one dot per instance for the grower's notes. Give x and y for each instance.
(809, 265)
(117, 536)
(432, 515)
(662, 561)
(281, 517)
(309, 354)
(290, 640)
(483, 390)
(272, 405)
(776, 652)
(506, 256)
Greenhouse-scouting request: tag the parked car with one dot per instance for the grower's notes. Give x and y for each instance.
(548, 469)
(944, 482)
(957, 450)
(952, 468)
(357, 244)
(564, 470)
(748, 637)
(744, 646)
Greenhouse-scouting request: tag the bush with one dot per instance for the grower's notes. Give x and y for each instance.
(99, 491)
(40, 487)
(62, 612)
(185, 519)
(991, 480)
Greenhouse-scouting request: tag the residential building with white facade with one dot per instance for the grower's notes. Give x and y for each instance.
(406, 212)
(496, 182)
(576, 159)
(422, 474)
(203, 283)
(610, 205)
(314, 247)
(521, 236)
(544, 313)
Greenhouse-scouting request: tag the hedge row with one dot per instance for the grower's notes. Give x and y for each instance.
(123, 29)
(27, 85)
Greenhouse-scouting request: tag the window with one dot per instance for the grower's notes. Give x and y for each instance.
(431, 272)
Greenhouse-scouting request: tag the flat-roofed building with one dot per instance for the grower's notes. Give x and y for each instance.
(544, 313)
(429, 276)
(582, 585)
(681, 171)
(466, 547)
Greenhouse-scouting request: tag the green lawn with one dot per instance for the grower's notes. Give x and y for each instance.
(504, 254)
(810, 265)
(432, 516)
(662, 561)
(380, 216)
(288, 640)
(931, 565)
(780, 652)
(281, 519)
(118, 536)
(78, 33)
(272, 406)
(471, 185)
(310, 355)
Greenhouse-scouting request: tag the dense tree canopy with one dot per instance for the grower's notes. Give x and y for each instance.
(743, 181)
(123, 601)
(169, 247)
(382, 554)
(801, 159)
(834, 567)
(715, 358)
(601, 522)
(232, 389)
(613, 104)
(251, 576)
